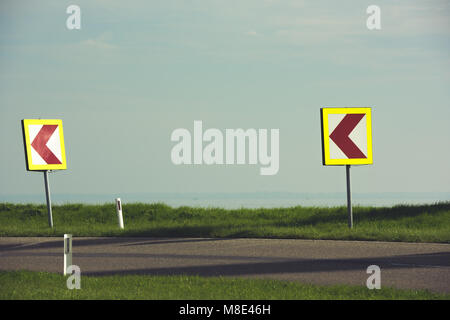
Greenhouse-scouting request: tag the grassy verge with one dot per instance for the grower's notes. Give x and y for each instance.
(421, 223)
(26, 285)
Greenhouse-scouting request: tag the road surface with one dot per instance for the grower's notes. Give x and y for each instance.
(403, 265)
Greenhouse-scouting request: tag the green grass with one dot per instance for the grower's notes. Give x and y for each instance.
(420, 223)
(28, 285)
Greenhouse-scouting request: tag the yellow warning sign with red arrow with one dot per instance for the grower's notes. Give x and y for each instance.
(44, 144)
(346, 136)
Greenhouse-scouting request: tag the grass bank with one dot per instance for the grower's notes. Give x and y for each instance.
(418, 223)
(27, 285)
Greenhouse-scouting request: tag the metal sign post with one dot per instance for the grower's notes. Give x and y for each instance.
(47, 196)
(43, 141)
(349, 198)
(346, 140)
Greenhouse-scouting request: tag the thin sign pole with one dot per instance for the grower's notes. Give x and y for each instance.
(49, 203)
(349, 198)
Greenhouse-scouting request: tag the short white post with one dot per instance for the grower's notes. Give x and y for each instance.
(67, 252)
(119, 212)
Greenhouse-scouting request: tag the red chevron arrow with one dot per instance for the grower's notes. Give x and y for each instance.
(341, 138)
(40, 144)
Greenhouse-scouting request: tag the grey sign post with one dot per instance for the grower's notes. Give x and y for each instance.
(349, 198)
(346, 140)
(47, 196)
(43, 142)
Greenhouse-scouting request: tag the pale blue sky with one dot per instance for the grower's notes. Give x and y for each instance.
(137, 70)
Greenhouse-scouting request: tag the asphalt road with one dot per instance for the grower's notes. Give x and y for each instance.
(403, 265)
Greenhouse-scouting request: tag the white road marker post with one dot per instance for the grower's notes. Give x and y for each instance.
(119, 212)
(67, 252)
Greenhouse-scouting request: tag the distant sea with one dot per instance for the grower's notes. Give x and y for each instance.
(247, 200)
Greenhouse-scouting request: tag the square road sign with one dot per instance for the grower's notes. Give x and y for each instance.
(346, 136)
(44, 144)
